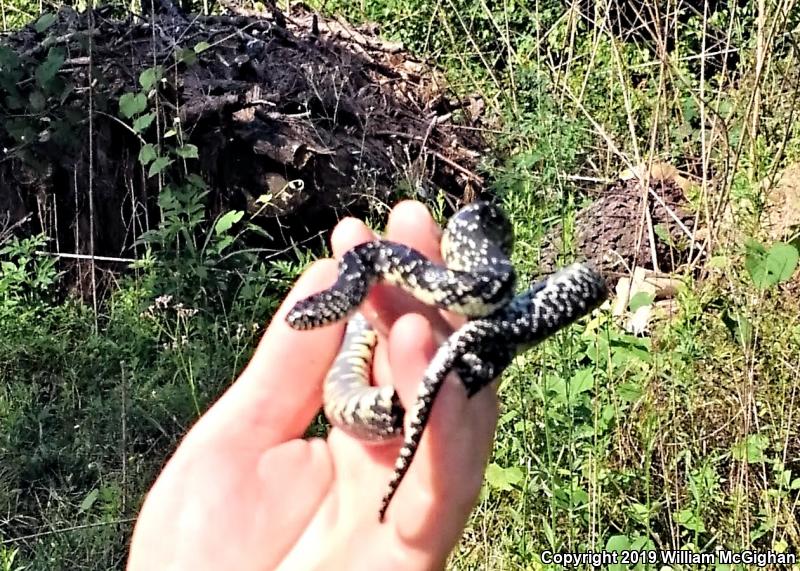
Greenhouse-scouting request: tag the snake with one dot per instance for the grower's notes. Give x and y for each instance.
(477, 281)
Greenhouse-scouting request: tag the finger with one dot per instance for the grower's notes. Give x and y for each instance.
(411, 223)
(442, 485)
(294, 479)
(352, 456)
(280, 391)
(349, 233)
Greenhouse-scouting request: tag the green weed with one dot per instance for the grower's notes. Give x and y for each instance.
(685, 438)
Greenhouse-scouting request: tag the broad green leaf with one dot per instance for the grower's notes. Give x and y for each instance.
(187, 152)
(557, 386)
(200, 47)
(769, 267)
(197, 182)
(143, 122)
(89, 501)
(158, 165)
(781, 261)
(754, 246)
(9, 59)
(751, 449)
(21, 129)
(763, 528)
(755, 264)
(690, 521)
(37, 101)
(642, 543)
(624, 355)
(501, 478)
(11, 71)
(726, 108)
(131, 104)
(66, 91)
(617, 543)
(718, 262)
(264, 199)
(147, 154)
(48, 69)
(227, 220)
(662, 232)
(640, 512)
(629, 392)
(580, 382)
(222, 244)
(149, 77)
(13, 102)
(739, 326)
(689, 109)
(744, 329)
(640, 299)
(607, 415)
(47, 19)
(187, 56)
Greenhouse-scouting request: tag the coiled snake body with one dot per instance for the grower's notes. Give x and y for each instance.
(478, 282)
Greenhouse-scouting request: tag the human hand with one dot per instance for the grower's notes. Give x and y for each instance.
(245, 491)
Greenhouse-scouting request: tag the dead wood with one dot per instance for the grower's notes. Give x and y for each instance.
(331, 108)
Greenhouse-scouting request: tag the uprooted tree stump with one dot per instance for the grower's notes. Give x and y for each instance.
(291, 117)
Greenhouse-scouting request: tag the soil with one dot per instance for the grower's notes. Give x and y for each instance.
(613, 231)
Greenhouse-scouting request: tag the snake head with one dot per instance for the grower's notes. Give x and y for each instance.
(481, 221)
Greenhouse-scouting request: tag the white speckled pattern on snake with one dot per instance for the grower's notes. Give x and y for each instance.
(478, 282)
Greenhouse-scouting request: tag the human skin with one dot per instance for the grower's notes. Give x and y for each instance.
(245, 490)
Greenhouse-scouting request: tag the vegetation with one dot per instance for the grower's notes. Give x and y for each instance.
(685, 438)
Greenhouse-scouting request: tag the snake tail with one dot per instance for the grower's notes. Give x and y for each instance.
(530, 318)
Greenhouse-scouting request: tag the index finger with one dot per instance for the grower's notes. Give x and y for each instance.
(410, 223)
(280, 391)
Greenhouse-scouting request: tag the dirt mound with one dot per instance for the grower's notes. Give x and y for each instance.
(629, 223)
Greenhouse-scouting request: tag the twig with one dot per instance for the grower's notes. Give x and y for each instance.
(437, 154)
(90, 79)
(56, 40)
(124, 430)
(87, 257)
(681, 225)
(65, 530)
(579, 178)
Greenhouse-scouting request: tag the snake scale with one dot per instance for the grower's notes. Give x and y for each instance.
(477, 281)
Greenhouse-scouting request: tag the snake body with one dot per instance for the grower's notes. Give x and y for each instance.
(478, 282)
(350, 402)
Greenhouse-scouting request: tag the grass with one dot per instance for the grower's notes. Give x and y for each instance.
(685, 438)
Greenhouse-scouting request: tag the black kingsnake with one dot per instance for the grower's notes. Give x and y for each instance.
(478, 282)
